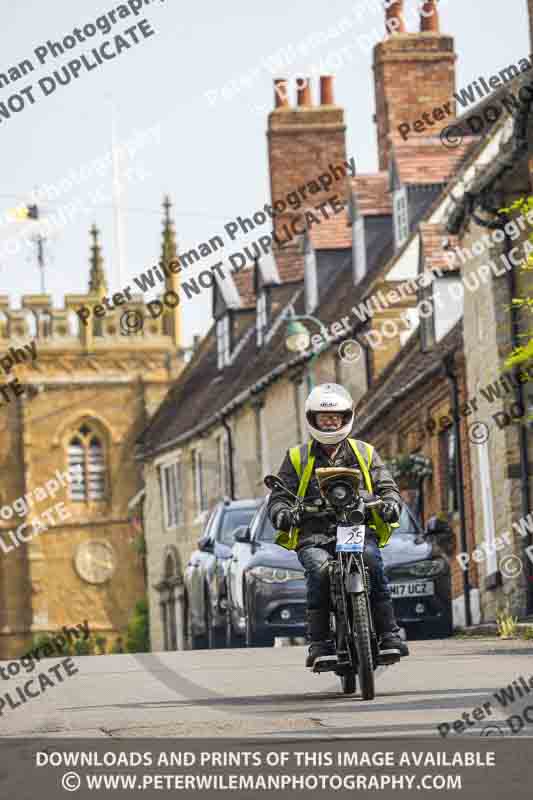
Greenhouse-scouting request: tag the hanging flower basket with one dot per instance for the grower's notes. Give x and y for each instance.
(409, 470)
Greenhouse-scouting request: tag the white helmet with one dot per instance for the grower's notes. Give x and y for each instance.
(334, 398)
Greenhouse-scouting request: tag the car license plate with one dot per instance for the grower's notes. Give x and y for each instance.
(414, 589)
(350, 538)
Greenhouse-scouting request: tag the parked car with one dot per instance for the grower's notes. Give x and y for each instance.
(204, 574)
(266, 587)
(419, 576)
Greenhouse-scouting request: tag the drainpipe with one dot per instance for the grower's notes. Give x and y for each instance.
(448, 363)
(230, 451)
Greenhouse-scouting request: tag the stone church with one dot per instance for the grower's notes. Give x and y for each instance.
(69, 546)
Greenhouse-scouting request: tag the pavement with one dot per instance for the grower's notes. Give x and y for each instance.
(267, 693)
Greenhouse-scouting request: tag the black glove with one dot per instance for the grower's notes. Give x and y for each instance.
(284, 520)
(389, 512)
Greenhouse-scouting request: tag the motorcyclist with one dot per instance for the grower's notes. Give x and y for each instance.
(329, 413)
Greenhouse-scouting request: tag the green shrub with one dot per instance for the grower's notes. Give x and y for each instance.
(138, 633)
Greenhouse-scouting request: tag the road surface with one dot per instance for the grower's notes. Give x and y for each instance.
(267, 692)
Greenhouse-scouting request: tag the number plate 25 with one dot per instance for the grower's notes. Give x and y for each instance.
(351, 538)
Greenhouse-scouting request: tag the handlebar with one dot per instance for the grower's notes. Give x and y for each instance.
(300, 509)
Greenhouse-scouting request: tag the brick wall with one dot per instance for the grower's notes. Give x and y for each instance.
(402, 430)
(303, 141)
(413, 73)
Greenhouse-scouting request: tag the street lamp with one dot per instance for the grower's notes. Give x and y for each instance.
(298, 339)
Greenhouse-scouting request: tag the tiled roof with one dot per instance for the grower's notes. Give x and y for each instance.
(332, 234)
(244, 281)
(432, 236)
(425, 161)
(202, 390)
(372, 192)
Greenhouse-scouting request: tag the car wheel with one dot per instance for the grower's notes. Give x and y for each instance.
(252, 638)
(445, 627)
(194, 642)
(214, 638)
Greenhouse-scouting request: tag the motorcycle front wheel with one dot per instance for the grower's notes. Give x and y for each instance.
(363, 644)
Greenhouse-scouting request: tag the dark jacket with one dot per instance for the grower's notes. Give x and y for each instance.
(382, 482)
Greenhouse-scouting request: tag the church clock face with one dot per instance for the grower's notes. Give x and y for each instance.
(94, 561)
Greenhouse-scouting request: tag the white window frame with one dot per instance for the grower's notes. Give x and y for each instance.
(310, 280)
(401, 217)
(173, 517)
(223, 341)
(200, 496)
(359, 250)
(261, 318)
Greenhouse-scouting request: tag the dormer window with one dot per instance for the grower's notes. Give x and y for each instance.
(358, 249)
(310, 277)
(261, 317)
(223, 329)
(401, 217)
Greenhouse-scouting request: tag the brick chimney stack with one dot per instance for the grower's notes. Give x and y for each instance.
(413, 74)
(394, 21)
(304, 142)
(429, 17)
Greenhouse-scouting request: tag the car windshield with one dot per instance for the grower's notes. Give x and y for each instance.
(407, 523)
(267, 532)
(232, 520)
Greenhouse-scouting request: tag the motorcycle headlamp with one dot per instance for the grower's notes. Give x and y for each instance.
(339, 492)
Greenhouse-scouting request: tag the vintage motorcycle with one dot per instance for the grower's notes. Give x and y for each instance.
(350, 609)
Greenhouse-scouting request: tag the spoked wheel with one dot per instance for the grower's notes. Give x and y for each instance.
(363, 644)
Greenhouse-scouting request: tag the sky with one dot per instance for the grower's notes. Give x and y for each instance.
(191, 102)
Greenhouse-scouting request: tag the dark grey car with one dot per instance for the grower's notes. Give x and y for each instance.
(204, 576)
(266, 587)
(420, 579)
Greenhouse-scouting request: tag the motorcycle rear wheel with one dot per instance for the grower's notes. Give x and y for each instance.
(363, 644)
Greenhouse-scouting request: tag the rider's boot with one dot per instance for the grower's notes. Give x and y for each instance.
(322, 647)
(390, 643)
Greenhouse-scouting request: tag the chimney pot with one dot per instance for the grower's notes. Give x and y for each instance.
(281, 93)
(304, 91)
(394, 19)
(326, 90)
(429, 17)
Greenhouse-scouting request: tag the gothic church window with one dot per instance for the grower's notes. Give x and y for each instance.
(86, 465)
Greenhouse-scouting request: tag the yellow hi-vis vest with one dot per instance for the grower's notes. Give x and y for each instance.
(383, 530)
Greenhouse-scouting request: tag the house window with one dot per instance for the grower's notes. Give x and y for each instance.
(450, 494)
(359, 250)
(223, 487)
(401, 217)
(86, 465)
(449, 304)
(172, 494)
(200, 498)
(223, 341)
(261, 442)
(310, 279)
(262, 317)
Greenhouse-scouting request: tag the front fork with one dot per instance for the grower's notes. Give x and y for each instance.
(349, 575)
